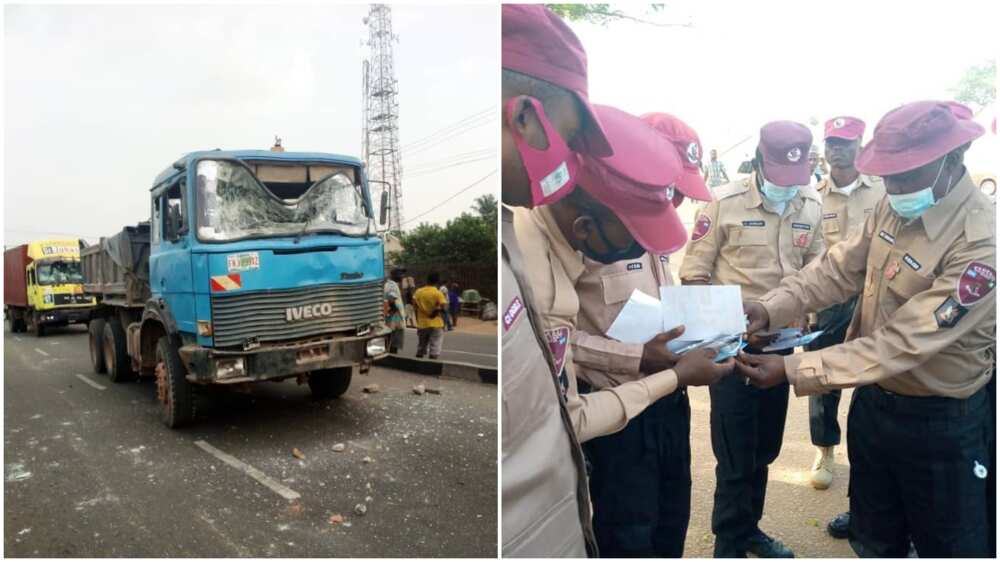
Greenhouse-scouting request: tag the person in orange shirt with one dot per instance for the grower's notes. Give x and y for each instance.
(429, 305)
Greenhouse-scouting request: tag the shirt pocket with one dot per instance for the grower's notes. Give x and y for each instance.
(750, 246)
(908, 283)
(617, 287)
(831, 225)
(877, 257)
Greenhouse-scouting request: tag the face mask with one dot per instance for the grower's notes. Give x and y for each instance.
(552, 171)
(778, 194)
(631, 252)
(911, 205)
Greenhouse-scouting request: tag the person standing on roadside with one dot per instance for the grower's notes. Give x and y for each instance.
(758, 231)
(921, 348)
(395, 311)
(429, 305)
(454, 303)
(715, 171)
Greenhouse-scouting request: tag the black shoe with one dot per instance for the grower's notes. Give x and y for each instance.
(838, 527)
(763, 546)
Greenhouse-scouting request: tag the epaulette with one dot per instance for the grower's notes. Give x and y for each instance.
(809, 192)
(979, 223)
(732, 188)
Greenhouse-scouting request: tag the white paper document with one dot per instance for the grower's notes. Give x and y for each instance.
(639, 321)
(706, 311)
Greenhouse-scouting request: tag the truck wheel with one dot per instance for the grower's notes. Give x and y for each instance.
(330, 383)
(95, 332)
(116, 357)
(37, 326)
(174, 393)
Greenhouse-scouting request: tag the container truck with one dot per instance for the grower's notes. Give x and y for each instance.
(253, 266)
(42, 286)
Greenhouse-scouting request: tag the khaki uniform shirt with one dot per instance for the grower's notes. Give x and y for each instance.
(552, 268)
(603, 290)
(843, 213)
(736, 241)
(546, 504)
(925, 324)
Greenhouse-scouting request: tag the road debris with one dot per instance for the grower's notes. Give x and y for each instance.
(339, 448)
(433, 391)
(367, 460)
(361, 509)
(419, 390)
(298, 454)
(336, 519)
(371, 389)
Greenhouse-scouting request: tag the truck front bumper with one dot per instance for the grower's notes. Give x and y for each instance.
(64, 316)
(280, 361)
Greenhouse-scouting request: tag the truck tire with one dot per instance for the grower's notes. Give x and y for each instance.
(36, 325)
(95, 334)
(174, 393)
(330, 383)
(116, 358)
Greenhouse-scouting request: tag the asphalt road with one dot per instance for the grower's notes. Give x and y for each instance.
(794, 512)
(91, 472)
(461, 347)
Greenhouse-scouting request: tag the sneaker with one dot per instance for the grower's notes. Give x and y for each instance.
(763, 546)
(822, 469)
(838, 527)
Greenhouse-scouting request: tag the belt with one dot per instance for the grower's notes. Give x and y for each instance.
(923, 405)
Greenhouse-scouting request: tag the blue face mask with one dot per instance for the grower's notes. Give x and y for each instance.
(911, 205)
(778, 194)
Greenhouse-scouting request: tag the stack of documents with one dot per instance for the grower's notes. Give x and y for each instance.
(789, 338)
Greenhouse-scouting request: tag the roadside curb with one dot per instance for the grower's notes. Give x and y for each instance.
(447, 369)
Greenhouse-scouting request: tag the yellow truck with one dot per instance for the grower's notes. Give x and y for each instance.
(42, 286)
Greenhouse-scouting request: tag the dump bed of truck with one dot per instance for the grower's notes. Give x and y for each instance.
(116, 270)
(15, 285)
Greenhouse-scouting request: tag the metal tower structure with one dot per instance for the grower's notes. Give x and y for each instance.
(380, 142)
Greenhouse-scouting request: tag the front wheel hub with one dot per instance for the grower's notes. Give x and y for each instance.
(161, 384)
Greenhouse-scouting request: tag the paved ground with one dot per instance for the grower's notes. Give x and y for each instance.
(793, 511)
(91, 471)
(460, 346)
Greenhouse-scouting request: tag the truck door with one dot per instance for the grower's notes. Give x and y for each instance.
(170, 275)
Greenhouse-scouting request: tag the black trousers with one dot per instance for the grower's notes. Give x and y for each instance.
(640, 482)
(919, 470)
(747, 428)
(824, 429)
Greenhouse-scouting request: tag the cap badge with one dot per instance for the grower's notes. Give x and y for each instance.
(794, 154)
(838, 122)
(693, 153)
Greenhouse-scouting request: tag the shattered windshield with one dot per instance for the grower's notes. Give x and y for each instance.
(234, 204)
(59, 273)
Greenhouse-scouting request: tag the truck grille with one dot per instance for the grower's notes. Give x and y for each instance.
(264, 314)
(64, 299)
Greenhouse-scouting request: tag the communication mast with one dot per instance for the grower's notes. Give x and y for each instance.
(380, 137)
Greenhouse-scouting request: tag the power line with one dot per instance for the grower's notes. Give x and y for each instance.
(473, 117)
(456, 194)
(453, 134)
(446, 166)
(454, 158)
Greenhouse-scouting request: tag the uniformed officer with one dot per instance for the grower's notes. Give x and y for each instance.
(640, 477)
(759, 231)
(921, 346)
(546, 507)
(622, 208)
(848, 199)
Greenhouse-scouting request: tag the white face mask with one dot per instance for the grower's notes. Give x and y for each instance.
(777, 193)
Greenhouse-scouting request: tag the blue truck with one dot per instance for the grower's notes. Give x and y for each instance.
(254, 266)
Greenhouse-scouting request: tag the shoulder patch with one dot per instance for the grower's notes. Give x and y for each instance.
(949, 313)
(558, 339)
(701, 228)
(979, 225)
(975, 283)
(514, 309)
(634, 266)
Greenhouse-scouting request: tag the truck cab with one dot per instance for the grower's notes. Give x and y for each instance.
(262, 265)
(48, 287)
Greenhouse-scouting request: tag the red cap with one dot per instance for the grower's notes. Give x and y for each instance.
(785, 147)
(637, 182)
(914, 135)
(691, 182)
(844, 127)
(538, 43)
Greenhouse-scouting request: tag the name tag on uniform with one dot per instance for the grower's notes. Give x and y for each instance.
(635, 266)
(908, 259)
(801, 226)
(887, 237)
(829, 216)
(754, 223)
(664, 259)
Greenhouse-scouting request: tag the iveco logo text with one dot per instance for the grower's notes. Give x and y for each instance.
(308, 312)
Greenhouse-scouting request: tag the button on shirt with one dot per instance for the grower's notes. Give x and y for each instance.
(553, 267)
(603, 290)
(736, 240)
(845, 211)
(925, 324)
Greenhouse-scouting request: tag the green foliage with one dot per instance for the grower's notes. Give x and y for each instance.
(600, 14)
(467, 239)
(978, 85)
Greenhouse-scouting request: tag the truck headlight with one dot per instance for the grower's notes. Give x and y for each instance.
(375, 347)
(47, 298)
(229, 368)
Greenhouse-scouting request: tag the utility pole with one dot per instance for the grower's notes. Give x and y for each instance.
(380, 111)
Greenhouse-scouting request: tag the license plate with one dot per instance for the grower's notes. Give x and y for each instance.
(312, 355)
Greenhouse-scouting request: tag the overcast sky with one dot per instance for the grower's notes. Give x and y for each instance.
(98, 100)
(742, 64)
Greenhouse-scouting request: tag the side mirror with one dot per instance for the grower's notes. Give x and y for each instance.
(384, 212)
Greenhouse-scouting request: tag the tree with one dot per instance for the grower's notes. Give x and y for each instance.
(602, 14)
(486, 207)
(467, 239)
(978, 86)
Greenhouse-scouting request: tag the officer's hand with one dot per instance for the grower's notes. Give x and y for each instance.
(655, 355)
(763, 371)
(757, 316)
(697, 368)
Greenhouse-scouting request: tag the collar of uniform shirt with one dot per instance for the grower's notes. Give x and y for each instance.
(756, 199)
(938, 216)
(572, 260)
